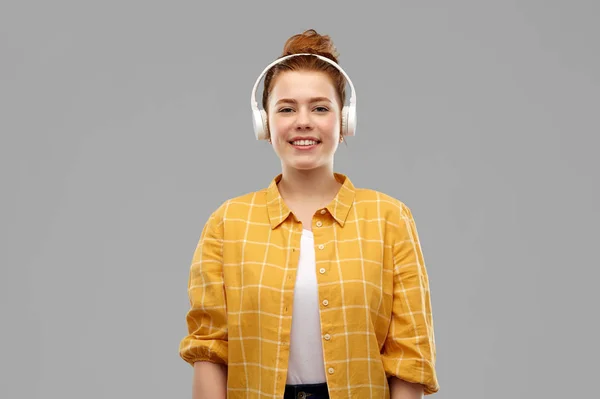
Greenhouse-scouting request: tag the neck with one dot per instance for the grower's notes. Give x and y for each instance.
(315, 185)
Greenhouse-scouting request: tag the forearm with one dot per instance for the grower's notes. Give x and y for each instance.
(400, 389)
(210, 381)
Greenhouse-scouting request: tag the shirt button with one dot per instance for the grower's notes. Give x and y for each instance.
(322, 270)
(331, 370)
(321, 246)
(319, 223)
(327, 337)
(325, 302)
(323, 211)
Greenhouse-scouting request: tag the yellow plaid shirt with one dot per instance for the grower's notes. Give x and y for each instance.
(375, 304)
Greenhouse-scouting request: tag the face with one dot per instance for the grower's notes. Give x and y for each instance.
(304, 119)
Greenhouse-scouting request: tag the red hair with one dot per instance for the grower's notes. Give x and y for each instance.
(308, 41)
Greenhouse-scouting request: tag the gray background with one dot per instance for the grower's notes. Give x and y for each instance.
(125, 123)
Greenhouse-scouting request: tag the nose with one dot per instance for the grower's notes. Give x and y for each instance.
(303, 120)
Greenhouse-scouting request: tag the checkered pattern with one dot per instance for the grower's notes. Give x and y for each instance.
(375, 305)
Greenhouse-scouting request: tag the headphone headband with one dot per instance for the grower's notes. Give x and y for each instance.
(348, 111)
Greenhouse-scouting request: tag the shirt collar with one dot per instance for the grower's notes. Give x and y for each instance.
(338, 208)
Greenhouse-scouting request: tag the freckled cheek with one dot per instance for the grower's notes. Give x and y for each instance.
(279, 137)
(331, 128)
(279, 127)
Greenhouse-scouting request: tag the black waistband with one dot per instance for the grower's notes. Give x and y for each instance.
(292, 391)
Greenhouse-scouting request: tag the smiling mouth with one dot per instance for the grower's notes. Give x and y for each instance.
(304, 143)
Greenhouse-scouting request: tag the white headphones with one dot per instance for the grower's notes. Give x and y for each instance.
(259, 117)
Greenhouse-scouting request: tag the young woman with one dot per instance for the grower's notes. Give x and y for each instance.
(310, 287)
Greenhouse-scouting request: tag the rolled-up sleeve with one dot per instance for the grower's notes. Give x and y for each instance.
(207, 317)
(409, 350)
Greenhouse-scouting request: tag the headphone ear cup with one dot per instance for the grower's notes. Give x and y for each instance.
(265, 123)
(344, 120)
(350, 119)
(259, 120)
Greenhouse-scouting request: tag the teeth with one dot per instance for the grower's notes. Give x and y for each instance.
(304, 142)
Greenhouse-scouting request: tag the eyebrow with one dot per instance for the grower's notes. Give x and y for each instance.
(312, 100)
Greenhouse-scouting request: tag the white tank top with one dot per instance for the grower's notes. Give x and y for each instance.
(306, 364)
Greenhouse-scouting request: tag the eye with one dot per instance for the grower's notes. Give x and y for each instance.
(284, 109)
(323, 109)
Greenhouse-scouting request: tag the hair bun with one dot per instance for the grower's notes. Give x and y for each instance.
(312, 42)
